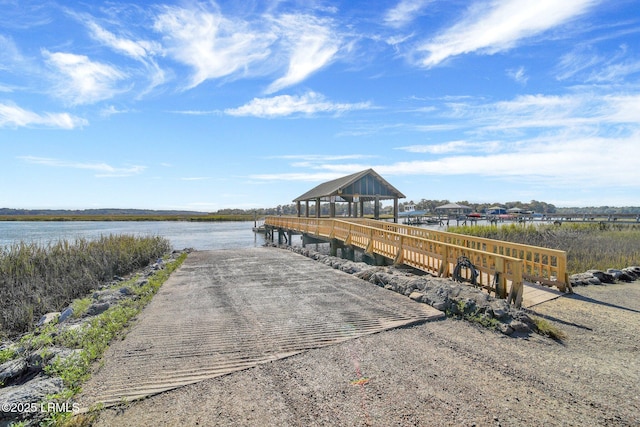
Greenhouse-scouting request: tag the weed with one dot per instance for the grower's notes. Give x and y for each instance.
(80, 306)
(7, 354)
(546, 328)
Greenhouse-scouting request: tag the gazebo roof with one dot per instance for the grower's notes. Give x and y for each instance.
(454, 206)
(367, 185)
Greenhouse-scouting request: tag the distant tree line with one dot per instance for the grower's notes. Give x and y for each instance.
(431, 205)
(341, 209)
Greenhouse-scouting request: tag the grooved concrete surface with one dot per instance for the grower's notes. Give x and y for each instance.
(228, 310)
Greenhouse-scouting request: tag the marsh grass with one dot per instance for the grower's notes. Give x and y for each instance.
(588, 246)
(37, 279)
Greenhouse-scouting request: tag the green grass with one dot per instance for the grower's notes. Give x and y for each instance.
(37, 279)
(546, 328)
(588, 246)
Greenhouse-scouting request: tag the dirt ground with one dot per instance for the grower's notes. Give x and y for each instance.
(441, 373)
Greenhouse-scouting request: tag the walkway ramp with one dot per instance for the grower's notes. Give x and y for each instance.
(535, 294)
(229, 310)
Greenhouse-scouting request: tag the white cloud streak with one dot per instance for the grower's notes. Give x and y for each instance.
(286, 105)
(211, 44)
(103, 170)
(142, 51)
(311, 45)
(404, 12)
(14, 116)
(496, 26)
(452, 147)
(80, 80)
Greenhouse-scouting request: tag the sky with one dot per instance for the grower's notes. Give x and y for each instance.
(205, 105)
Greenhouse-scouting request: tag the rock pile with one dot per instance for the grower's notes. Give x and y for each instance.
(453, 298)
(599, 277)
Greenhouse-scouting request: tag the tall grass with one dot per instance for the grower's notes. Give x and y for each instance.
(588, 246)
(36, 279)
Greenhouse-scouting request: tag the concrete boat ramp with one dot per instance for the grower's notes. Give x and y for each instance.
(229, 310)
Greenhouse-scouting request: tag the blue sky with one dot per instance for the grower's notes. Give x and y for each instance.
(206, 105)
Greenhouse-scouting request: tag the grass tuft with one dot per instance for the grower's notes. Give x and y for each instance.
(546, 328)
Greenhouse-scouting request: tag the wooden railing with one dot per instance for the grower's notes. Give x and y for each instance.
(498, 272)
(540, 265)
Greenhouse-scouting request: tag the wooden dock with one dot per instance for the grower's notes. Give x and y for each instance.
(499, 267)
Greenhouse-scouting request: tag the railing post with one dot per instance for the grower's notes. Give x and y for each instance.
(399, 259)
(444, 265)
(500, 279)
(515, 296)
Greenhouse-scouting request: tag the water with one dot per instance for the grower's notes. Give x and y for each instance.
(197, 235)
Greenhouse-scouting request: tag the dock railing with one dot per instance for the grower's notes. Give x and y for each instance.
(501, 267)
(541, 265)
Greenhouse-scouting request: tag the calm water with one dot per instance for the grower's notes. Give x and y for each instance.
(197, 235)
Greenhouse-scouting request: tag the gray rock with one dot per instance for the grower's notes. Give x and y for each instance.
(505, 329)
(621, 275)
(416, 296)
(584, 279)
(97, 308)
(66, 314)
(602, 276)
(31, 392)
(48, 318)
(519, 326)
(13, 369)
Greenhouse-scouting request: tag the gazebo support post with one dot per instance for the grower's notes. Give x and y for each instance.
(395, 210)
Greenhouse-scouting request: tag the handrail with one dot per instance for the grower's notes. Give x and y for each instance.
(497, 272)
(542, 265)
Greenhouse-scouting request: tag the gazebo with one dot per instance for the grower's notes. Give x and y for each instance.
(455, 208)
(355, 189)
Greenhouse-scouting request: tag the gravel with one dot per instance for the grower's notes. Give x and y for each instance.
(441, 373)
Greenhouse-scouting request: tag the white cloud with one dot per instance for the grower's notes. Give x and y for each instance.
(286, 105)
(311, 45)
(492, 27)
(593, 67)
(103, 170)
(14, 116)
(142, 51)
(519, 75)
(9, 53)
(80, 80)
(453, 147)
(135, 49)
(297, 177)
(112, 110)
(559, 160)
(404, 12)
(213, 45)
(574, 62)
